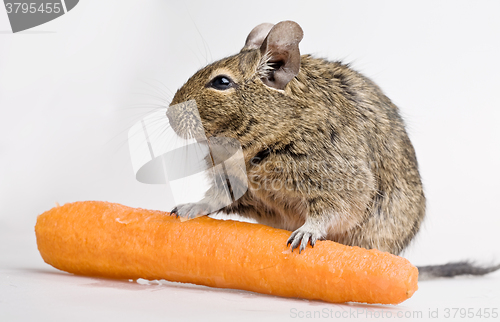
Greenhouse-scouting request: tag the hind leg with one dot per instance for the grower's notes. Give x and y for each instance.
(391, 226)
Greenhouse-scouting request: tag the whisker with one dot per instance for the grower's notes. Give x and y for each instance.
(163, 88)
(128, 126)
(205, 44)
(165, 96)
(161, 99)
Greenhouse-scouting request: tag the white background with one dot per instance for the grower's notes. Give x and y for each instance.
(65, 102)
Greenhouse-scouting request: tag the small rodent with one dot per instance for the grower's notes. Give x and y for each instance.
(326, 152)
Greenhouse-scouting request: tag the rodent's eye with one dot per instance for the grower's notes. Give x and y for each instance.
(221, 83)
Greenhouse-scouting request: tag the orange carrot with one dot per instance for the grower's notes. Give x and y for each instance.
(110, 240)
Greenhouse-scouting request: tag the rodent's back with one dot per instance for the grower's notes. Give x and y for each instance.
(344, 119)
(371, 124)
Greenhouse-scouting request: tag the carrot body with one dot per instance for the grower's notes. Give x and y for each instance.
(110, 240)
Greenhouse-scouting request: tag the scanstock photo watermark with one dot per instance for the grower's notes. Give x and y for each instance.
(28, 14)
(451, 313)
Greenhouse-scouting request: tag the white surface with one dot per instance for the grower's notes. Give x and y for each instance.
(64, 101)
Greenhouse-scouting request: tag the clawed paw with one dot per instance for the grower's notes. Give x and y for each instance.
(191, 210)
(301, 237)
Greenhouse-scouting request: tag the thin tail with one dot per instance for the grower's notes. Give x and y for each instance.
(453, 269)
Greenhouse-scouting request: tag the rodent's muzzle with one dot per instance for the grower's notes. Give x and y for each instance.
(185, 120)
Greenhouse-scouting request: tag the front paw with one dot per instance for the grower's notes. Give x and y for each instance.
(302, 236)
(191, 210)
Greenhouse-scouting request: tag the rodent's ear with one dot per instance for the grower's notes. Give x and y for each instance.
(280, 61)
(257, 36)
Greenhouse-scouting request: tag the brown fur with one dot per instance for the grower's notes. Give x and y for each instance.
(328, 155)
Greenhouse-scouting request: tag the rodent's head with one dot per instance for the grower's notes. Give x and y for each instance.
(244, 96)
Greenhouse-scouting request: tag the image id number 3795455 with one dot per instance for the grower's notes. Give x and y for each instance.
(470, 313)
(24, 7)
